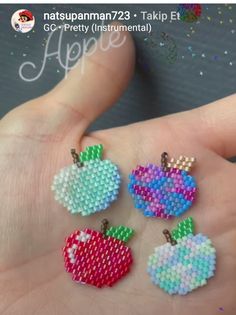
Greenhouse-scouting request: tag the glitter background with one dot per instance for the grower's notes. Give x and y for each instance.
(180, 66)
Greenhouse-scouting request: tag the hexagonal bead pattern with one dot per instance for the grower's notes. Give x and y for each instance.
(91, 153)
(121, 232)
(159, 193)
(88, 189)
(184, 228)
(96, 260)
(184, 267)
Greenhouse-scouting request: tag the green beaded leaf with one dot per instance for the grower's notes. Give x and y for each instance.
(93, 152)
(184, 228)
(120, 232)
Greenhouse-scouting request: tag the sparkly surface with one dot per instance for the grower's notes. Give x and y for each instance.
(163, 45)
(210, 38)
(88, 189)
(189, 12)
(161, 194)
(184, 267)
(95, 260)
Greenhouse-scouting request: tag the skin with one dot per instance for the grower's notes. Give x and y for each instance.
(24, 18)
(36, 139)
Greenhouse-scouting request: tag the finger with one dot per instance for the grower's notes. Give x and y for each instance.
(215, 125)
(99, 79)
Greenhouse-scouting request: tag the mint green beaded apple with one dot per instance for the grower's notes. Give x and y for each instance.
(89, 185)
(185, 262)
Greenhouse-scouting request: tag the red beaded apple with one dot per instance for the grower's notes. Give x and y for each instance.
(98, 258)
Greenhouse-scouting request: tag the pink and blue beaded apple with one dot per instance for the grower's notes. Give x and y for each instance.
(163, 191)
(89, 185)
(185, 262)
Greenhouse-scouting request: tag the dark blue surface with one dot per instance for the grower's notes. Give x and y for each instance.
(180, 66)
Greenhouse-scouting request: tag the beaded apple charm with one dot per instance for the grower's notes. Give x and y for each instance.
(89, 185)
(163, 191)
(185, 262)
(98, 258)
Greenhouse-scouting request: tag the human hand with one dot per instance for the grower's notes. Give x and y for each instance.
(35, 144)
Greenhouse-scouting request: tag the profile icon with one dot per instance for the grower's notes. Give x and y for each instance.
(23, 21)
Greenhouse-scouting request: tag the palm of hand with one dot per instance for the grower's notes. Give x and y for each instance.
(35, 144)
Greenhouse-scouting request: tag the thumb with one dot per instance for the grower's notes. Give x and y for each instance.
(97, 81)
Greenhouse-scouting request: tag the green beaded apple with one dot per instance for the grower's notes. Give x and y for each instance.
(89, 185)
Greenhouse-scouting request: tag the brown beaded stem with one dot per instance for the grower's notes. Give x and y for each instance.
(169, 237)
(75, 157)
(164, 159)
(104, 226)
